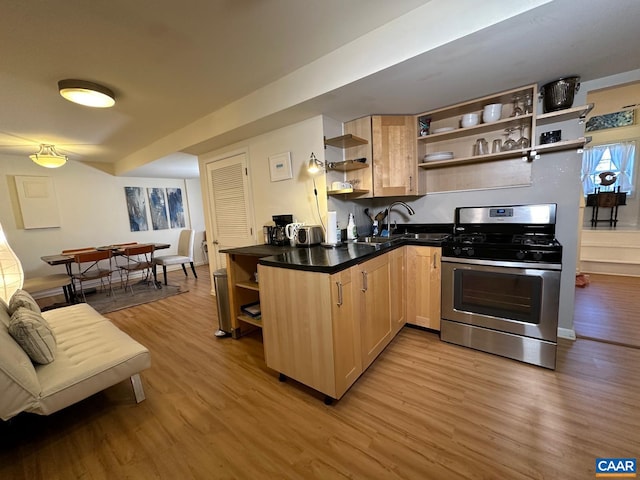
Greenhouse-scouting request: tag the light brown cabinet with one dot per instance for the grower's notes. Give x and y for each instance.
(374, 307)
(390, 149)
(324, 330)
(395, 169)
(398, 288)
(311, 330)
(423, 286)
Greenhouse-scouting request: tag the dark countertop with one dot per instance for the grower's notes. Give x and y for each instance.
(328, 260)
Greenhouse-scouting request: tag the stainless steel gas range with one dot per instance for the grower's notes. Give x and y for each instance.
(501, 282)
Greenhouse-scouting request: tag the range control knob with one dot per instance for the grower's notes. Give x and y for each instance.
(537, 256)
(470, 252)
(520, 255)
(457, 251)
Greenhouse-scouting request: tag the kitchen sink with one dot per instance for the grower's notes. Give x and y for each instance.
(430, 237)
(379, 240)
(433, 237)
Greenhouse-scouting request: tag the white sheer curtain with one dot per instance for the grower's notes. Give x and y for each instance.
(623, 155)
(590, 159)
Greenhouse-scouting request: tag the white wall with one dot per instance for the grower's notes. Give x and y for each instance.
(294, 196)
(92, 210)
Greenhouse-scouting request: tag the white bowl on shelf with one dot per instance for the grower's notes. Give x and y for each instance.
(492, 113)
(469, 120)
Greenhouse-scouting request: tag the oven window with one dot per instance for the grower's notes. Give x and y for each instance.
(502, 295)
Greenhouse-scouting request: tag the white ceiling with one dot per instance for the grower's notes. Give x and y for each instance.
(172, 63)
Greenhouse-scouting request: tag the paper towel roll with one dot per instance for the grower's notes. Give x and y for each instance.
(332, 228)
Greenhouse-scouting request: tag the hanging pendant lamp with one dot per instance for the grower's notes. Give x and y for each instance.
(48, 157)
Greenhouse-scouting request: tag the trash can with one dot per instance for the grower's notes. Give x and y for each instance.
(222, 299)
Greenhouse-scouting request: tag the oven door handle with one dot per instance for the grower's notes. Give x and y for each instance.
(500, 263)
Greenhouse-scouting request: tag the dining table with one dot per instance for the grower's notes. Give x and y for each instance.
(68, 260)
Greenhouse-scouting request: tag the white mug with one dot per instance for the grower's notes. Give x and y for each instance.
(291, 229)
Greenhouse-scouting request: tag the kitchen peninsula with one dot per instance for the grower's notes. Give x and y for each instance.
(326, 313)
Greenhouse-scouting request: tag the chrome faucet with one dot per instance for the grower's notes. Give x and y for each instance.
(408, 207)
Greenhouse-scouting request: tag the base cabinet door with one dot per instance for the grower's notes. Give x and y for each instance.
(346, 332)
(398, 288)
(423, 286)
(310, 329)
(374, 307)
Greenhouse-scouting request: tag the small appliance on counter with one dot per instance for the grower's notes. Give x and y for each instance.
(279, 231)
(309, 235)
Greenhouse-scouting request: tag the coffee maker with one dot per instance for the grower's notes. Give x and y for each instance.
(278, 232)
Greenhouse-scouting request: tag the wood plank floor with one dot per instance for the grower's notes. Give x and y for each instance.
(424, 410)
(608, 309)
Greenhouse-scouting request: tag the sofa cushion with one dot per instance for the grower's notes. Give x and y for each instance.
(22, 298)
(33, 334)
(5, 316)
(92, 354)
(19, 386)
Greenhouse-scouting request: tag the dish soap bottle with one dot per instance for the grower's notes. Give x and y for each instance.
(352, 232)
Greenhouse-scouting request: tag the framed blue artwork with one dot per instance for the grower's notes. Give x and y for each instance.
(158, 208)
(137, 208)
(176, 210)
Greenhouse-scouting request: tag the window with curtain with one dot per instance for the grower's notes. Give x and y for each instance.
(617, 158)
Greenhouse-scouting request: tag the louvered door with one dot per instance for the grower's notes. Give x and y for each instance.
(229, 205)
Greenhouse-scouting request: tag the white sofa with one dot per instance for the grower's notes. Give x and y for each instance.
(91, 355)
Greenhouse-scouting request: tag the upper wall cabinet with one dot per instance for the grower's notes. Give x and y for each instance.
(390, 150)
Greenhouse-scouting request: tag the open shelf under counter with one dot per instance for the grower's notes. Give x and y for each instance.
(579, 112)
(256, 322)
(477, 129)
(476, 159)
(249, 285)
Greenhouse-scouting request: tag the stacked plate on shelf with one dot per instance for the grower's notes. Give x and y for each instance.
(438, 156)
(443, 129)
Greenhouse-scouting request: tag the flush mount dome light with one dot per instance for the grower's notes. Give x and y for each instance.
(86, 93)
(48, 157)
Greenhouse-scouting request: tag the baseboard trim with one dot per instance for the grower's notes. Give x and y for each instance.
(567, 333)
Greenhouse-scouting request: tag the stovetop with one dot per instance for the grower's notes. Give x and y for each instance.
(518, 233)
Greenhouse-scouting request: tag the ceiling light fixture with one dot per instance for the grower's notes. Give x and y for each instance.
(86, 93)
(48, 157)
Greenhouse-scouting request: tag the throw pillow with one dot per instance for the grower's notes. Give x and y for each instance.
(22, 298)
(32, 332)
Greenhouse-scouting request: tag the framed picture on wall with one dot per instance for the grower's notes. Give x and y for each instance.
(176, 210)
(280, 167)
(137, 208)
(158, 208)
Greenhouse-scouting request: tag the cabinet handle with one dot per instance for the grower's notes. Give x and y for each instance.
(435, 263)
(339, 284)
(410, 183)
(365, 285)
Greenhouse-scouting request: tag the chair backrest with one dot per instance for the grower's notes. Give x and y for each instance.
(93, 258)
(139, 253)
(185, 243)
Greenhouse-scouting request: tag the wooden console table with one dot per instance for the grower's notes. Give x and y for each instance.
(609, 200)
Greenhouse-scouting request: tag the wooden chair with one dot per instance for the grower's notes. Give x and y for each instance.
(185, 255)
(139, 258)
(89, 268)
